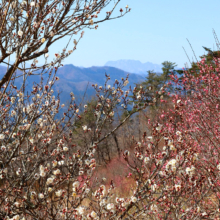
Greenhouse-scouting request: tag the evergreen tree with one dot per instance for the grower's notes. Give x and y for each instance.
(209, 60)
(168, 68)
(155, 81)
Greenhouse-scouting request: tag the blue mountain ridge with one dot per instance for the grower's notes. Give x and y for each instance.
(78, 80)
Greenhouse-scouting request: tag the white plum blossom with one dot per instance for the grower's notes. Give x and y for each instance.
(59, 193)
(153, 187)
(172, 147)
(65, 148)
(18, 172)
(20, 33)
(103, 202)
(126, 82)
(13, 100)
(190, 170)
(56, 172)
(159, 127)
(76, 184)
(60, 163)
(204, 214)
(138, 96)
(2, 136)
(17, 204)
(80, 210)
(87, 190)
(134, 199)
(172, 164)
(111, 114)
(16, 217)
(110, 206)
(27, 126)
(177, 187)
(41, 195)
(85, 128)
(42, 172)
(146, 160)
(54, 163)
(153, 207)
(178, 133)
(50, 180)
(93, 214)
(81, 172)
(31, 140)
(3, 148)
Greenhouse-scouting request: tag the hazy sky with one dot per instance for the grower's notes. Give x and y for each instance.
(154, 31)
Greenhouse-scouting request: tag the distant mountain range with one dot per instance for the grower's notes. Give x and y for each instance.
(135, 66)
(77, 79)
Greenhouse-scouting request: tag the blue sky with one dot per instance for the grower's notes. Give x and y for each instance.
(154, 31)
